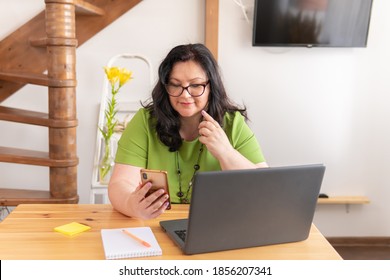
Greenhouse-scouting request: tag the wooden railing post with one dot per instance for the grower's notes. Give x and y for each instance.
(61, 53)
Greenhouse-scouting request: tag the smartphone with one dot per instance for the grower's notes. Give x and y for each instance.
(159, 180)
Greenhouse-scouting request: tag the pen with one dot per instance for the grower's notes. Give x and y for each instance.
(146, 244)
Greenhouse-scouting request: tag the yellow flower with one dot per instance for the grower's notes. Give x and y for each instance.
(112, 74)
(115, 74)
(124, 76)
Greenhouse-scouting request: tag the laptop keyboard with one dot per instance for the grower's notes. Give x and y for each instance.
(181, 234)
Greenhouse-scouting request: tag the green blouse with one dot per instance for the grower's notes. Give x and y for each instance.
(140, 146)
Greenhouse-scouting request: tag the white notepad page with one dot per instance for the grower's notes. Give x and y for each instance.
(118, 245)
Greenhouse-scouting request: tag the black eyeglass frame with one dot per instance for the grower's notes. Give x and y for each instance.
(186, 88)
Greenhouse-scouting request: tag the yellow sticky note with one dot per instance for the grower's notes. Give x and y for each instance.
(72, 228)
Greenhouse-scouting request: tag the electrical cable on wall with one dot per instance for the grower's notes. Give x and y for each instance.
(243, 9)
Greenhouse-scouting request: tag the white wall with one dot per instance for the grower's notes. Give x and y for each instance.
(306, 105)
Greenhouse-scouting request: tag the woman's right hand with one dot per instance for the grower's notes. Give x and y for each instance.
(147, 207)
(130, 197)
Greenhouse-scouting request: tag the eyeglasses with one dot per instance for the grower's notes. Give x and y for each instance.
(195, 90)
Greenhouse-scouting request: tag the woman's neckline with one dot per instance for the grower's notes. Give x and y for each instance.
(191, 134)
(191, 141)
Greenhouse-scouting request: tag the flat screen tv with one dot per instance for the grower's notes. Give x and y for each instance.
(311, 23)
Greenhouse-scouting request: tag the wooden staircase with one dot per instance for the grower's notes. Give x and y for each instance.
(43, 52)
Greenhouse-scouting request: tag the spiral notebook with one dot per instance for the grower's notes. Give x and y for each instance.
(119, 245)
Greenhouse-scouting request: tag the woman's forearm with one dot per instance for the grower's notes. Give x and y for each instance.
(232, 159)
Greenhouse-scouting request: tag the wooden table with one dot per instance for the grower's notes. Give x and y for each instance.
(27, 233)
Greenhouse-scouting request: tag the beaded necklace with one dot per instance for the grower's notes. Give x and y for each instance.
(184, 196)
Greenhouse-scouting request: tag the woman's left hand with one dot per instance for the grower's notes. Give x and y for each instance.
(213, 136)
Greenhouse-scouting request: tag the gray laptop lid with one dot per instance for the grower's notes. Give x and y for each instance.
(247, 208)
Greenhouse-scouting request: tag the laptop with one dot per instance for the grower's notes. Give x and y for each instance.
(248, 208)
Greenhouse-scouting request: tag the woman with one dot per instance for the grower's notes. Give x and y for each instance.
(189, 125)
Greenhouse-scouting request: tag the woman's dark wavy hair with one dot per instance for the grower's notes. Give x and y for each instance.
(167, 119)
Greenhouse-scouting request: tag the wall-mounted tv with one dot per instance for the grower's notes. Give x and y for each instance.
(311, 23)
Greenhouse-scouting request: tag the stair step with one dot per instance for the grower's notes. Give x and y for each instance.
(34, 118)
(22, 156)
(85, 8)
(36, 79)
(14, 197)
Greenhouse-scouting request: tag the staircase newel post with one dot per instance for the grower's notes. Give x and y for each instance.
(61, 54)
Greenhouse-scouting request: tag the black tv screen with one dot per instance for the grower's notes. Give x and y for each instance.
(311, 23)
